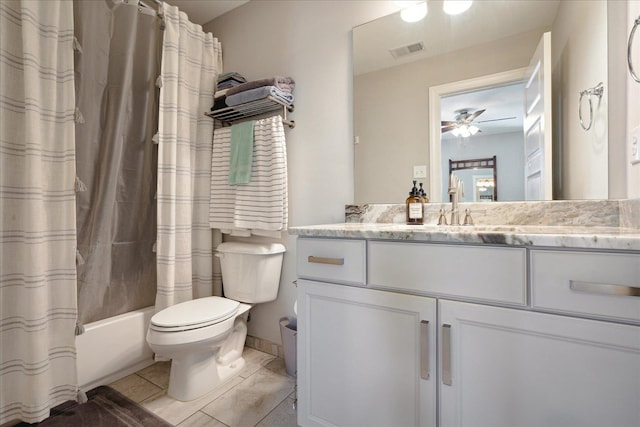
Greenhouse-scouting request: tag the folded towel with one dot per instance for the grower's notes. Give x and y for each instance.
(228, 84)
(231, 74)
(262, 206)
(286, 84)
(259, 93)
(241, 153)
(218, 103)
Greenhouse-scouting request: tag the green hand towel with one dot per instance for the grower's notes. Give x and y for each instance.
(241, 153)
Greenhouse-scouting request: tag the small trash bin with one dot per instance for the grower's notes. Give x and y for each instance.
(288, 333)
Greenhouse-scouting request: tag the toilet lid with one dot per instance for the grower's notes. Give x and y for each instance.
(196, 313)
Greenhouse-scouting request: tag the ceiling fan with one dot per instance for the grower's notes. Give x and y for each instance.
(464, 123)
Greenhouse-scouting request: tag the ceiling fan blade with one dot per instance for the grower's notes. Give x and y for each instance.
(447, 128)
(448, 123)
(496, 120)
(472, 117)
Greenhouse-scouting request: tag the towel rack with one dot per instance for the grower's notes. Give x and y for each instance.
(257, 107)
(629, 59)
(598, 90)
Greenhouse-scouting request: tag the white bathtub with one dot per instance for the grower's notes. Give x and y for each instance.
(113, 348)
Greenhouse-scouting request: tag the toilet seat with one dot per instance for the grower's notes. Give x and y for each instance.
(194, 314)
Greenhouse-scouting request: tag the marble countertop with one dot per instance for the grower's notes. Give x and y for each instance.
(586, 237)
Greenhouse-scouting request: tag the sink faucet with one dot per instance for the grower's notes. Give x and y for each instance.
(456, 190)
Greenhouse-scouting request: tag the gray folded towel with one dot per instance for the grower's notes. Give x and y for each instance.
(286, 84)
(259, 93)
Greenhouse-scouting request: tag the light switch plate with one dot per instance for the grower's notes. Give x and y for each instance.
(635, 146)
(420, 171)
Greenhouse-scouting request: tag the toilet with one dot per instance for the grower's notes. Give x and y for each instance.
(204, 338)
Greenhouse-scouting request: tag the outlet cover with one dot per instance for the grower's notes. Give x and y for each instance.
(420, 171)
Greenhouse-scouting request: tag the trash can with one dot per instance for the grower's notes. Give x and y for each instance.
(288, 333)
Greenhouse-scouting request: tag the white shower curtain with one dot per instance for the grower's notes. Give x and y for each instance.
(37, 207)
(191, 61)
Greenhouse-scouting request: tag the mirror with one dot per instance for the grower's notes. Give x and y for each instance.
(397, 64)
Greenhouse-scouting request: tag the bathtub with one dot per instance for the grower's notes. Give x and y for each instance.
(113, 348)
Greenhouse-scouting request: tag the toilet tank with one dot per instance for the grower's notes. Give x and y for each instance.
(250, 271)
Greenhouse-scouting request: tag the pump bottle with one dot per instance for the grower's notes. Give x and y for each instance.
(414, 207)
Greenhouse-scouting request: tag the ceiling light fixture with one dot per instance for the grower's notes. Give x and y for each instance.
(413, 11)
(456, 7)
(465, 131)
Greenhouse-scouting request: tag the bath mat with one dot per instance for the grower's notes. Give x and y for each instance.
(105, 408)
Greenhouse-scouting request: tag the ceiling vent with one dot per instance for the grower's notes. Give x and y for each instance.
(409, 49)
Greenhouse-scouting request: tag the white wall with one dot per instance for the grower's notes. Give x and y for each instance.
(310, 41)
(579, 50)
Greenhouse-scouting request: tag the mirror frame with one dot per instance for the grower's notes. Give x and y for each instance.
(435, 93)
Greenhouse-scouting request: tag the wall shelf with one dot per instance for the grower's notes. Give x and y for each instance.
(258, 107)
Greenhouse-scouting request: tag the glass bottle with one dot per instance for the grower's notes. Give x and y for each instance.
(414, 207)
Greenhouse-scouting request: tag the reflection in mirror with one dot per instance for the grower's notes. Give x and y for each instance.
(499, 134)
(391, 91)
(479, 178)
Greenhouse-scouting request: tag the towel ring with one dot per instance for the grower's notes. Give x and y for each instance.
(597, 91)
(629, 60)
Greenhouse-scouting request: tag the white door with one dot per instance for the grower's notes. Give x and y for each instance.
(537, 123)
(365, 357)
(505, 367)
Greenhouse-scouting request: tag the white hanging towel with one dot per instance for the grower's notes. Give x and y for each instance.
(261, 206)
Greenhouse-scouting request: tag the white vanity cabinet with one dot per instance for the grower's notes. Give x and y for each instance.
(525, 336)
(506, 367)
(365, 357)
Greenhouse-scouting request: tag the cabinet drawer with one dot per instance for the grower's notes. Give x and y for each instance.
(601, 284)
(335, 260)
(474, 272)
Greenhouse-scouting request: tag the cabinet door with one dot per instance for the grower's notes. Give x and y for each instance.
(504, 367)
(365, 357)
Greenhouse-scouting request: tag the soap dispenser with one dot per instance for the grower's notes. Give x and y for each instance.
(425, 199)
(414, 207)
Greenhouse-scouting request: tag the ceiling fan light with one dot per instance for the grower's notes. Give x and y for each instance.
(455, 132)
(473, 129)
(414, 13)
(464, 131)
(456, 7)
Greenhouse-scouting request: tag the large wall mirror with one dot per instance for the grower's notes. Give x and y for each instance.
(412, 81)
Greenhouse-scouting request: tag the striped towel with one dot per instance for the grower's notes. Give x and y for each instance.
(261, 206)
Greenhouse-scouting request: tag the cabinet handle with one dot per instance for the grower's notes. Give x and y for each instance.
(321, 260)
(446, 354)
(604, 288)
(424, 349)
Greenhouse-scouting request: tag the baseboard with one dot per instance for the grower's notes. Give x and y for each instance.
(265, 346)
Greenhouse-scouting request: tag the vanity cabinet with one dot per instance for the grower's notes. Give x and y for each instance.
(522, 338)
(505, 367)
(365, 357)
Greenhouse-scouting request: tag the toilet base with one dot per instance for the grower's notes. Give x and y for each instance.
(195, 374)
(191, 379)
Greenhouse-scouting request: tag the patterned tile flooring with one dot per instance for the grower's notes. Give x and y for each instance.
(261, 396)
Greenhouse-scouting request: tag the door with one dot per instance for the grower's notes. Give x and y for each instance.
(365, 357)
(537, 123)
(506, 367)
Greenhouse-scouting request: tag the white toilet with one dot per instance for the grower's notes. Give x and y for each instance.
(205, 337)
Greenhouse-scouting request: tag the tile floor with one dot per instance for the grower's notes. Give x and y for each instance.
(261, 396)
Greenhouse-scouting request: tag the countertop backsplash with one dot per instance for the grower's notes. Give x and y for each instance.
(596, 213)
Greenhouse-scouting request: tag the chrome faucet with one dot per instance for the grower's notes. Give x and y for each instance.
(456, 190)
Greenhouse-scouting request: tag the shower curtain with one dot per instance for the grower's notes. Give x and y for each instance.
(191, 61)
(37, 208)
(117, 63)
